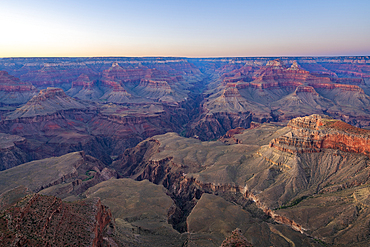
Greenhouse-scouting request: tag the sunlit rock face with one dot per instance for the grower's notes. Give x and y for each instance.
(315, 133)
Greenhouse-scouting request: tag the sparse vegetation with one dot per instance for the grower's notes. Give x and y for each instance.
(293, 203)
(89, 174)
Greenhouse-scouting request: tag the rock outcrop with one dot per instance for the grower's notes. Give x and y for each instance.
(236, 239)
(315, 133)
(213, 125)
(37, 220)
(52, 73)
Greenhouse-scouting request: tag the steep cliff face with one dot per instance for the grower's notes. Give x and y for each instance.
(223, 111)
(37, 220)
(10, 83)
(315, 133)
(276, 71)
(116, 72)
(59, 124)
(161, 90)
(53, 125)
(212, 185)
(112, 80)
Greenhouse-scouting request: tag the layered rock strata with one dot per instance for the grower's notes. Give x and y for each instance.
(277, 92)
(315, 133)
(13, 91)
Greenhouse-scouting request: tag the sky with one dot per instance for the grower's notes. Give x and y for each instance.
(184, 28)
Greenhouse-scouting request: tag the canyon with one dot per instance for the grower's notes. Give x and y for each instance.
(185, 151)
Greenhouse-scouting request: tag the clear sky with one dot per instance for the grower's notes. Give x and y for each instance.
(191, 28)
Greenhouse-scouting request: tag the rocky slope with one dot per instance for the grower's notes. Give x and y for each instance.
(120, 102)
(140, 210)
(236, 239)
(84, 88)
(53, 124)
(275, 196)
(36, 220)
(66, 176)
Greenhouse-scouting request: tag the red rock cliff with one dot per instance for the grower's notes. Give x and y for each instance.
(314, 133)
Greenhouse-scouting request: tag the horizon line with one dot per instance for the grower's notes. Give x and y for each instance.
(117, 56)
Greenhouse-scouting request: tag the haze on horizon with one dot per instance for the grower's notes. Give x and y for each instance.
(207, 28)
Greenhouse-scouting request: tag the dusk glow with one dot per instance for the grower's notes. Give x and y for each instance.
(184, 28)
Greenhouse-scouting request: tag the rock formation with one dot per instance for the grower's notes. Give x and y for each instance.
(48, 101)
(315, 133)
(13, 91)
(236, 239)
(276, 92)
(37, 220)
(84, 88)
